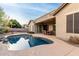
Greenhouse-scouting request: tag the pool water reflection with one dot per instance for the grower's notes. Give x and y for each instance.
(23, 41)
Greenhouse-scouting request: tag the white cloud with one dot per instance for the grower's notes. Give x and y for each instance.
(26, 6)
(21, 11)
(38, 9)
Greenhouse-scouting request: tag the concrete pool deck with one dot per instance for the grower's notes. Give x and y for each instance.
(58, 48)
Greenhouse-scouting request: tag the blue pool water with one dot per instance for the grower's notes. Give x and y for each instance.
(22, 41)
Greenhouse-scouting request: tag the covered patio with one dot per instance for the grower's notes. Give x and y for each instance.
(46, 26)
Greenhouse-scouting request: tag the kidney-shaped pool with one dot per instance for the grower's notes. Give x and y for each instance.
(23, 41)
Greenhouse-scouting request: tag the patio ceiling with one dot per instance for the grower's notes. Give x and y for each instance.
(44, 19)
(48, 21)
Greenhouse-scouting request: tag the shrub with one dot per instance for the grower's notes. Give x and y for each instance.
(4, 30)
(74, 39)
(1, 30)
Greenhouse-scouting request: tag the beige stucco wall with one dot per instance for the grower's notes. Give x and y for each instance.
(31, 27)
(61, 20)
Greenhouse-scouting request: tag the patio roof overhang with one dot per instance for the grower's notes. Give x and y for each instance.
(46, 20)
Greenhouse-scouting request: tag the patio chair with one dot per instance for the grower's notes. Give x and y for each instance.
(51, 33)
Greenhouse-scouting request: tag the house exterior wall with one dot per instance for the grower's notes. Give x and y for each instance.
(37, 28)
(31, 27)
(61, 20)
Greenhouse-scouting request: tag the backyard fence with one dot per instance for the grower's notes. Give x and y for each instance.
(18, 30)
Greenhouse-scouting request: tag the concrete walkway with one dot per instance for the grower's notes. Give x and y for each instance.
(58, 48)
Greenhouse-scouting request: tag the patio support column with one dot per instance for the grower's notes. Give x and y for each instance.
(42, 28)
(36, 28)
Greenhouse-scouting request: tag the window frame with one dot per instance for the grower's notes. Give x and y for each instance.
(73, 22)
(76, 23)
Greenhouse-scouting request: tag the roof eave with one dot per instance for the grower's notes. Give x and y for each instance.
(61, 7)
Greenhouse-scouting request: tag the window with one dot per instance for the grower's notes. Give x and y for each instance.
(69, 23)
(73, 23)
(76, 23)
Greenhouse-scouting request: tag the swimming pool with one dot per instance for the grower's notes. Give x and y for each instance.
(23, 41)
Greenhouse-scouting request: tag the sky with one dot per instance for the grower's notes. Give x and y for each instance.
(23, 12)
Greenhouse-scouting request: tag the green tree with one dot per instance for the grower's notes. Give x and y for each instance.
(1, 15)
(5, 22)
(13, 23)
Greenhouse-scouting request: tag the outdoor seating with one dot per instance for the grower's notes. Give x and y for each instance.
(30, 32)
(44, 32)
(51, 33)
